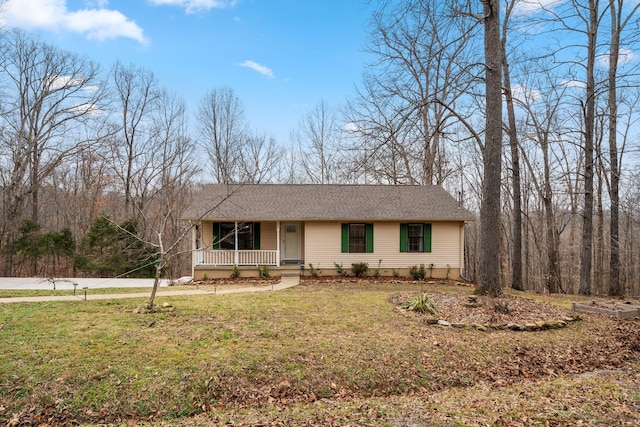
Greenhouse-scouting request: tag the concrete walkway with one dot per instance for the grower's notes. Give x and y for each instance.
(285, 283)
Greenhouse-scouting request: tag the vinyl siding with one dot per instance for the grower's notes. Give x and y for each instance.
(268, 235)
(323, 246)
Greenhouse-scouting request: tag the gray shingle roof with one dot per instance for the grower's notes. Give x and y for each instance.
(307, 202)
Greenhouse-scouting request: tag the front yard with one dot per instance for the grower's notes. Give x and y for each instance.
(317, 354)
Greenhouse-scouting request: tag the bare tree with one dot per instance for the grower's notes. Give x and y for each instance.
(317, 141)
(222, 127)
(512, 131)
(50, 97)
(488, 275)
(619, 22)
(164, 186)
(586, 253)
(260, 159)
(137, 95)
(402, 118)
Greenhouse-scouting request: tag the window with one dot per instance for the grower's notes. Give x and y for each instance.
(357, 238)
(224, 235)
(415, 237)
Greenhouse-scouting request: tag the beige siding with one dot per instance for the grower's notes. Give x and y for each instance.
(323, 247)
(206, 234)
(268, 236)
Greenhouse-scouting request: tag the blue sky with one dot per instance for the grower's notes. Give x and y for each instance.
(281, 57)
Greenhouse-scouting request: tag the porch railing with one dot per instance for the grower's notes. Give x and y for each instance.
(230, 257)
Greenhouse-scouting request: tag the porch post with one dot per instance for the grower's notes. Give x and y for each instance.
(194, 250)
(278, 243)
(235, 236)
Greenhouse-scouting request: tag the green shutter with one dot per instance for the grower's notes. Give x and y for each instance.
(369, 237)
(256, 236)
(345, 237)
(216, 235)
(403, 237)
(427, 237)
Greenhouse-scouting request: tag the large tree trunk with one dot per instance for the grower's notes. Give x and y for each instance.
(586, 251)
(614, 191)
(488, 275)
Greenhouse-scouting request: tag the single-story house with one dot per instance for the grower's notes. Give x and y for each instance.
(291, 227)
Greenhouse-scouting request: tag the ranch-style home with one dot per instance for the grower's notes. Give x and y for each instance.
(289, 228)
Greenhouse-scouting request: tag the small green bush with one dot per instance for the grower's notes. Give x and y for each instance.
(314, 271)
(340, 271)
(235, 273)
(418, 273)
(376, 272)
(360, 269)
(263, 271)
(423, 304)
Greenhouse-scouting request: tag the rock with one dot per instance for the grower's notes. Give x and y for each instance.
(166, 305)
(515, 327)
(443, 323)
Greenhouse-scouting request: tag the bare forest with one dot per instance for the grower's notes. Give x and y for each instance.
(528, 114)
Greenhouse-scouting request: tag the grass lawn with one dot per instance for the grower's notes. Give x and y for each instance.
(334, 354)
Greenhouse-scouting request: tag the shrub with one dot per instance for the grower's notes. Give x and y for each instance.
(314, 271)
(422, 304)
(360, 269)
(340, 271)
(418, 273)
(395, 272)
(376, 272)
(235, 273)
(263, 271)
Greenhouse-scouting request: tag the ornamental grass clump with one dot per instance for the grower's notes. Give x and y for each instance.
(423, 304)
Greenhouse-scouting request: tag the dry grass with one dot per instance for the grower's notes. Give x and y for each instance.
(336, 354)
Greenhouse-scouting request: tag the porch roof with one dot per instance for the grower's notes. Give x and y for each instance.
(309, 202)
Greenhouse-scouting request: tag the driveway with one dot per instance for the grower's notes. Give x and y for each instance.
(285, 282)
(23, 283)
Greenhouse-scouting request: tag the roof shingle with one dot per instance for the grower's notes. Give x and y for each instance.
(308, 202)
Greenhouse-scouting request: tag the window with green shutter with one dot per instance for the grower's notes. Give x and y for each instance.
(357, 238)
(415, 237)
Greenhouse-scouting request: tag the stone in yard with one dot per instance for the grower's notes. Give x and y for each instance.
(443, 323)
(515, 327)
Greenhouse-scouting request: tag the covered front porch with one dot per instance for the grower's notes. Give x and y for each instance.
(243, 243)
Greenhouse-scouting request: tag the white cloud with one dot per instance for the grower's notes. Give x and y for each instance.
(258, 68)
(350, 127)
(575, 84)
(194, 6)
(53, 15)
(59, 82)
(524, 94)
(625, 56)
(529, 7)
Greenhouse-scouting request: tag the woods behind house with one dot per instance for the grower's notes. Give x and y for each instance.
(97, 163)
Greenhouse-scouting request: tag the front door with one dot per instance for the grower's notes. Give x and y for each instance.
(290, 233)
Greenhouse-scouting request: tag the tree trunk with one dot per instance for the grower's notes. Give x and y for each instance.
(614, 191)
(516, 278)
(488, 275)
(586, 251)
